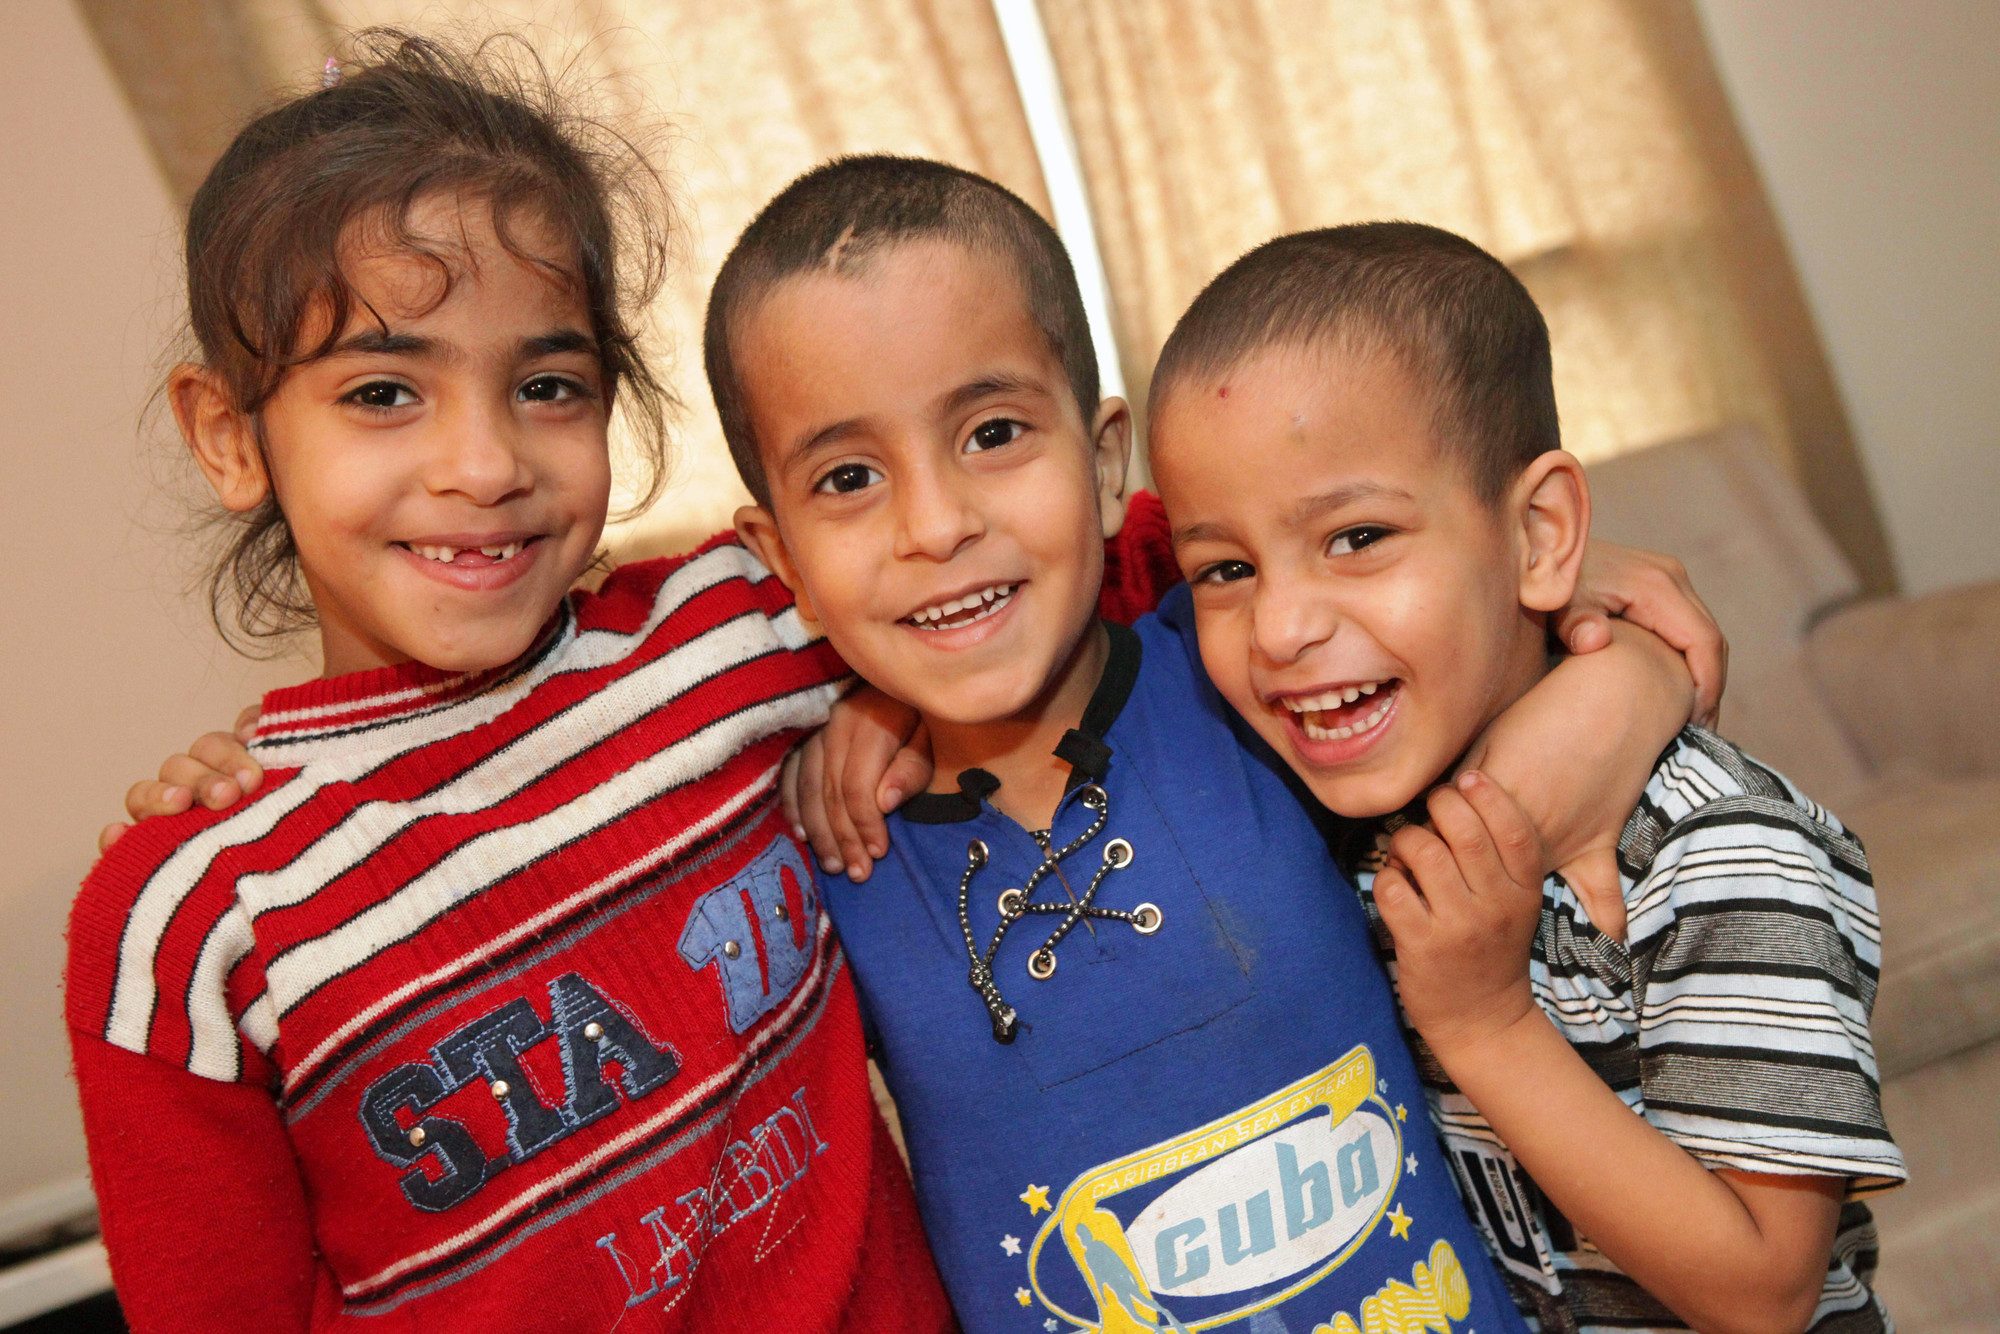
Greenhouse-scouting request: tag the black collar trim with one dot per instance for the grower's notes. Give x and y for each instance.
(1083, 746)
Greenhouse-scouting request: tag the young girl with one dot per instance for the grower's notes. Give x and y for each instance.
(507, 1003)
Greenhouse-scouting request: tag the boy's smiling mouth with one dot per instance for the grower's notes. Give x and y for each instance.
(1340, 721)
(964, 610)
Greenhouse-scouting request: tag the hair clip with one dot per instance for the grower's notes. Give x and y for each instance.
(330, 76)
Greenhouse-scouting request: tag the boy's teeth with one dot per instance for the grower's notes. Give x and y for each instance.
(1312, 710)
(985, 601)
(1332, 699)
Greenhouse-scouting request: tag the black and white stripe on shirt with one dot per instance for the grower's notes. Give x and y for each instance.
(1734, 1018)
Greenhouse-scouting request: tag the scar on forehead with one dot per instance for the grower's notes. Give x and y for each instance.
(833, 252)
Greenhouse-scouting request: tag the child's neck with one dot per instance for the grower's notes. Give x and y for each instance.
(1019, 750)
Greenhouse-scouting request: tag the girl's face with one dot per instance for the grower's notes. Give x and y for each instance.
(445, 471)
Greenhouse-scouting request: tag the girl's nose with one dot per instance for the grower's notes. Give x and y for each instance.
(479, 456)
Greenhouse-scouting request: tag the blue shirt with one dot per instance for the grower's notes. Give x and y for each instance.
(1206, 1116)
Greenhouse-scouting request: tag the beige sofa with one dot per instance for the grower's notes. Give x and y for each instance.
(1888, 712)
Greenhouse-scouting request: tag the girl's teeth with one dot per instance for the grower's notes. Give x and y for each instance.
(446, 555)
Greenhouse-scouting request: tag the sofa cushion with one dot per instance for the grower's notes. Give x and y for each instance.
(1725, 507)
(1940, 1270)
(1917, 680)
(1934, 846)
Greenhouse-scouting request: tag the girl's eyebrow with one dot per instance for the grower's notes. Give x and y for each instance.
(381, 342)
(558, 340)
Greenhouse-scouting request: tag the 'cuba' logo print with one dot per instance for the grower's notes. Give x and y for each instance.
(1270, 1200)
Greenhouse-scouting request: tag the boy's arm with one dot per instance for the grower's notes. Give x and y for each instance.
(1576, 752)
(203, 1210)
(1725, 1250)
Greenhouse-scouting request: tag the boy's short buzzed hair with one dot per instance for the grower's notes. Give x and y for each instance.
(838, 216)
(1458, 320)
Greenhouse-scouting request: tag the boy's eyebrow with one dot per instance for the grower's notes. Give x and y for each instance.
(1303, 512)
(1340, 497)
(986, 386)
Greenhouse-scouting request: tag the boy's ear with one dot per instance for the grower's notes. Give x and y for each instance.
(1551, 502)
(758, 528)
(222, 439)
(1111, 451)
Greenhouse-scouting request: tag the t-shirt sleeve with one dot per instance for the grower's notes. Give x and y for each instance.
(1139, 566)
(1756, 952)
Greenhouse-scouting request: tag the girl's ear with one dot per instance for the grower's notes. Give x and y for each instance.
(1111, 452)
(758, 528)
(222, 439)
(1551, 502)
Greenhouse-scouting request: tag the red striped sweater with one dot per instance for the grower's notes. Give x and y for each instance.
(507, 1003)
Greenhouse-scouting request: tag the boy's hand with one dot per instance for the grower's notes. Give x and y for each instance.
(1651, 591)
(840, 781)
(217, 770)
(1464, 913)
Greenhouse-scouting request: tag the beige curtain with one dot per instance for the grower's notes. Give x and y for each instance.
(754, 92)
(1582, 141)
(1586, 142)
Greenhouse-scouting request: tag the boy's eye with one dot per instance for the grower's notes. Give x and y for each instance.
(848, 478)
(1350, 540)
(549, 389)
(993, 434)
(1225, 572)
(383, 395)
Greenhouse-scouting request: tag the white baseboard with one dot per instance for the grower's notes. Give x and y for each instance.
(51, 1281)
(45, 1206)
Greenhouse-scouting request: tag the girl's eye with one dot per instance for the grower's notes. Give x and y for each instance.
(550, 389)
(1350, 540)
(1225, 572)
(993, 434)
(848, 478)
(382, 395)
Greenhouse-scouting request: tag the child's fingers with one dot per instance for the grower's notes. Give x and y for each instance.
(869, 756)
(213, 790)
(246, 723)
(812, 807)
(909, 773)
(1468, 842)
(1433, 868)
(110, 834)
(1403, 908)
(1513, 834)
(222, 752)
(1583, 629)
(145, 800)
(788, 793)
(854, 857)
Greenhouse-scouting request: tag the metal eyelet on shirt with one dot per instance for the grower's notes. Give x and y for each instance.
(1016, 903)
(593, 1031)
(417, 1137)
(731, 949)
(500, 1088)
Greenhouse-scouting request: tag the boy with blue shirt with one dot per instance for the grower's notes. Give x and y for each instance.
(1150, 1071)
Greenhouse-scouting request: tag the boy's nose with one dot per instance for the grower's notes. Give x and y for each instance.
(1286, 622)
(935, 515)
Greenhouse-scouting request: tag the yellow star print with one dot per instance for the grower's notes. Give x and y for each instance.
(1399, 1223)
(1037, 1199)
(1402, 1113)
(1022, 1296)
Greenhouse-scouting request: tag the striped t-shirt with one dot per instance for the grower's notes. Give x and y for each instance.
(1734, 1018)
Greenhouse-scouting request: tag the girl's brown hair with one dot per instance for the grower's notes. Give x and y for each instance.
(409, 118)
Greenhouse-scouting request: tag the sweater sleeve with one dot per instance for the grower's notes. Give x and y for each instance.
(1139, 566)
(201, 1201)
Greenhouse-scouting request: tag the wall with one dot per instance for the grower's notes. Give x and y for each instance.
(1877, 129)
(108, 667)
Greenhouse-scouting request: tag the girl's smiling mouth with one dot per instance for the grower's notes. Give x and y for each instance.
(476, 562)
